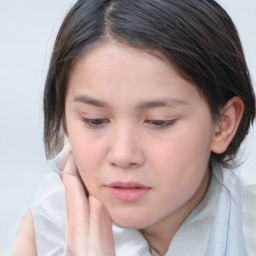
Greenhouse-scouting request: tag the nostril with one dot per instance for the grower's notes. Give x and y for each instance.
(125, 154)
(123, 165)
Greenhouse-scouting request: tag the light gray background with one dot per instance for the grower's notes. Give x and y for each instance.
(27, 31)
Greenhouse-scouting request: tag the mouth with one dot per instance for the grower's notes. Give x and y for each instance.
(127, 191)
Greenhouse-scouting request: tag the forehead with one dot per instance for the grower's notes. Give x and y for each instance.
(120, 56)
(116, 69)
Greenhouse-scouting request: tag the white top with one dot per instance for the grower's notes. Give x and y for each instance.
(49, 212)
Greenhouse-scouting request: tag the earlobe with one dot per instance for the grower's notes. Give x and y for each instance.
(227, 125)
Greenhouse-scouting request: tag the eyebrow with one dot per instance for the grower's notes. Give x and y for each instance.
(169, 102)
(91, 101)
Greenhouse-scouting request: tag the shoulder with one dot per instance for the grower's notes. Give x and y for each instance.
(50, 215)
(25, 240)
(249, 218)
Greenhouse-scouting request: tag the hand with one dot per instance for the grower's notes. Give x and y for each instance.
(89, 226)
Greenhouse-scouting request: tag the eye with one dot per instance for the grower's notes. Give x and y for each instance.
(161, 123)
(95, 122)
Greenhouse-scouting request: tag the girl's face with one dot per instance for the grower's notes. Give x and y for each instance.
(141, 135)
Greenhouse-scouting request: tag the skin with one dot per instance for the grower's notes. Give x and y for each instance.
(25, 243)
(114, 85)
(131, 117)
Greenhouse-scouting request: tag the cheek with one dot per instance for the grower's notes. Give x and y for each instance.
(86, 157)
(192, 143)
(177, 179)
(182, 160)
(87, 168)
(89, 157)
(85, 147)
(88, 151)
(184, 149)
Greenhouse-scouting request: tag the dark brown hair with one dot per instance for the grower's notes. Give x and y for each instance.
(197, 36)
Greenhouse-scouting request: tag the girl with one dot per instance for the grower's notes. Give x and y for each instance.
(147, 103)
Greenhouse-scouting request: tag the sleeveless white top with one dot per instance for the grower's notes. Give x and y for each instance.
(192, 238)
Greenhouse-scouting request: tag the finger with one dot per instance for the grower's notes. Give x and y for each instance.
(61, 159)
(77, 230)
(70, 165)
(101, 234)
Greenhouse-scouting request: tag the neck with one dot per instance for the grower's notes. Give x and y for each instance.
(160, 235)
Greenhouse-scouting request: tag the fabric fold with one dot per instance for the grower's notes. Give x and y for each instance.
(227, 238)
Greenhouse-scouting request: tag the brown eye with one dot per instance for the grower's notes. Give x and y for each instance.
(161, 123)
(95, 122)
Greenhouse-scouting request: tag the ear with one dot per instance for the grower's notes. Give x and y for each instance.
(226, 127)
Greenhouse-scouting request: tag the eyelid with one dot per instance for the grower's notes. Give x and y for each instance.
(101, 122)
(161, 123)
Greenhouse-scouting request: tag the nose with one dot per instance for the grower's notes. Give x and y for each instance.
(126, 151)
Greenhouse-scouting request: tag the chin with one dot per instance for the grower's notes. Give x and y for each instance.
(131, 216)
(131, 222)
(128, 225)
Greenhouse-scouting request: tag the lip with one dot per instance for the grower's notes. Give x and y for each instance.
(127, 191)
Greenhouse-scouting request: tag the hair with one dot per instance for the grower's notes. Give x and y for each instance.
(197, 36)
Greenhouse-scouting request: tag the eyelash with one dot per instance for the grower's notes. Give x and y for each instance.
(158, 124)
(95, 123)
(161, 124)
